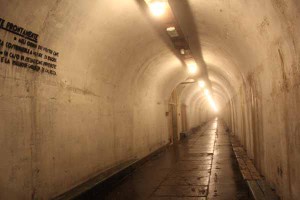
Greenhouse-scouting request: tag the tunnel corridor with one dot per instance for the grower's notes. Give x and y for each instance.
(202, 166)
(125, 99)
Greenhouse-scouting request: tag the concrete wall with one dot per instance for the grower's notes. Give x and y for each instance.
(115, 74)
(266, 104)
(105, 106)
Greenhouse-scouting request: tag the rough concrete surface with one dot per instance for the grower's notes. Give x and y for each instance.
(109, 101)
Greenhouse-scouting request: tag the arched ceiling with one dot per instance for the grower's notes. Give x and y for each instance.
(117, 68)
(119, 44)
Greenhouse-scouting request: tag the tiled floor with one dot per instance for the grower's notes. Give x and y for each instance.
(201, 167)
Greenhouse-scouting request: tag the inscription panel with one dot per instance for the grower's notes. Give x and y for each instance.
(19, 47)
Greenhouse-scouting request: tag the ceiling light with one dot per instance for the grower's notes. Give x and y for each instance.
(192, 67)
(182, 51)
(172, 31)
(212, 102)
(157, 8)
(206, 92)
(201, 83)
(171, 28)
(213, 105)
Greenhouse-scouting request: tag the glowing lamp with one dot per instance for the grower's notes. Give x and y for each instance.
(201, 84)
(192, 67)
(182, 51)
(157, 8)
(206, 92)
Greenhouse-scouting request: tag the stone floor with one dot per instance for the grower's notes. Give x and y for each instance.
(201, 167)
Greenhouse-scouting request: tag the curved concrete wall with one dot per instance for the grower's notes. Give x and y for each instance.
(106, 105)
(115, 74)
(264, 110)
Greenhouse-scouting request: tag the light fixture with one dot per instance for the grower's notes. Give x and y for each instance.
(182, 51)
(213, 105)
(192, 67)
(172, 31)
(157, 8)
(171, 28)
(211, 101)
(207, 93)
(201, 84)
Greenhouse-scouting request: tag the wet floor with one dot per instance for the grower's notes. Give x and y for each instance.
(203, 166)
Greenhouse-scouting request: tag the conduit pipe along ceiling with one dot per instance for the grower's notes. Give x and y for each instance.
(162, 14)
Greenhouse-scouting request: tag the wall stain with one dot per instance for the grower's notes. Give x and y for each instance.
(262, 27)
(285, 83)
(49, 15)
(280, 5)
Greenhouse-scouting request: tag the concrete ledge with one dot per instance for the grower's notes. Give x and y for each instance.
(108, 179)
(259, 189)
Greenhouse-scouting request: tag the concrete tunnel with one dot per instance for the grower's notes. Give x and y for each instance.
(87, 87)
